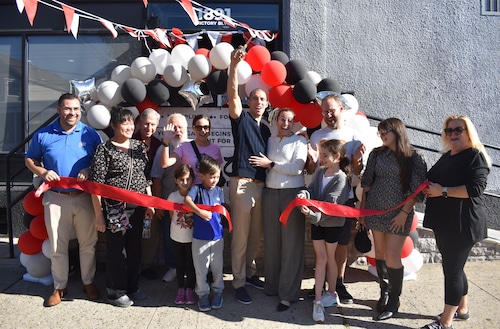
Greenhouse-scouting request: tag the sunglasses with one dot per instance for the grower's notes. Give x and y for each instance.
(199, 128)
(457, 130)
(382, 133)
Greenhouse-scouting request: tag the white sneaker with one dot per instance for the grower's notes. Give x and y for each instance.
(318, 312)
(328, 299)
(170, 275)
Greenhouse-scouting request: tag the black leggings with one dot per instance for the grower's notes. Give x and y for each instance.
(184, 264)
(454, 251)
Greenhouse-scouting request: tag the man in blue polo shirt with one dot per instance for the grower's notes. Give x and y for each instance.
(65, 149)
(246, 184)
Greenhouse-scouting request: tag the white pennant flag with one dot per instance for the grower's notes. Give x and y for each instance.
(213, 36)
(20, 5)
(74, 25)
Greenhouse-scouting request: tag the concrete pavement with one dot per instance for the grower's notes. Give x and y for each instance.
(21, 303)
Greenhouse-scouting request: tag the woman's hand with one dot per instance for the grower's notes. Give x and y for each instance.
(83, 175)
(100, 224)
(260, 161)
(398, 222)
(305, 210)
(433, 190)
(150, 212)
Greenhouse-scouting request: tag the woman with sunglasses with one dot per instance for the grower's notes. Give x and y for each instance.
(455, 210)
(186, 153)
(393, 172)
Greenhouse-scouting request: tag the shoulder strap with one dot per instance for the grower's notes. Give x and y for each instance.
(195, 148)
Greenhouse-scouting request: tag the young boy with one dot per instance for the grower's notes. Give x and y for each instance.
(208, 242)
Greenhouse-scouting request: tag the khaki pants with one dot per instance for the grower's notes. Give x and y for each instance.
(246, 215)
(67, 216)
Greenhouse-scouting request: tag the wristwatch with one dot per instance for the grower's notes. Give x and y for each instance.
(271, 164)
(445, 192)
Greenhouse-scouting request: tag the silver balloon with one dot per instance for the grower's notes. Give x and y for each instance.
(84, 90)
(192, 92)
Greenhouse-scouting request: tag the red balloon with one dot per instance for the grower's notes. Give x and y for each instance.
(146, 104)
(28, 244)
(407, 247)
(257, 56)
(33, 205)
(371, 261)
(295, 106)
(273, 73)
(38, 229)
(202, 51)
(310, 115)
(414, 224)
(281, 96)
(361, 114)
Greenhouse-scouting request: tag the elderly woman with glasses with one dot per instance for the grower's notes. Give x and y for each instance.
(186, 152)
(393, 172)
(455, 210)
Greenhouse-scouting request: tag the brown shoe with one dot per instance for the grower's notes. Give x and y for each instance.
(91, 291)
(55, 298)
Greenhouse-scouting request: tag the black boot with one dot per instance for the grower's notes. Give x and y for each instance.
(384, 285)
(396, 285)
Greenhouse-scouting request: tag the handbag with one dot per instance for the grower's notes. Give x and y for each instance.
(362, 242)
(222, 180)
(116, 211)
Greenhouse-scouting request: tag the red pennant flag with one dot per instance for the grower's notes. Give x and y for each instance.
(110, 27)
(31, 7)
(145, 3)
(188, 7)
(68, 15)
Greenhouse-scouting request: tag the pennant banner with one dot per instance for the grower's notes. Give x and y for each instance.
(119, 194)
(333, 209)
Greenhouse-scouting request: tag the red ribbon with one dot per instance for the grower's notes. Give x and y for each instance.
(333, 209)
(119, 194)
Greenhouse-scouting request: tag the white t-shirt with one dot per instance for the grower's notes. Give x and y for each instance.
(349, 135)
(180, 231)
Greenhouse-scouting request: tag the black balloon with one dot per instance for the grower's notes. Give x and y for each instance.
(157, 91)
(278, 55)
(175, 98)
(304, 91)
(217, 82)
(27, 218)
(133, 91)
(295, 71)
(328, 84)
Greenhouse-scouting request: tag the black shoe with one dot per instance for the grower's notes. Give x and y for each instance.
(242, 296)
(255, 282)
(344, 296)
(150, 274)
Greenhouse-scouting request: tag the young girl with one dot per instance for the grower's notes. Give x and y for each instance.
(208, 241)
(331, 184)
(181, 233)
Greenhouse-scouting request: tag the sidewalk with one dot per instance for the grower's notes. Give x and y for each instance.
(21, 303)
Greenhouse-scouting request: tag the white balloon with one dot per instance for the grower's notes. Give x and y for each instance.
(181, 54)
(351, 103)
(244, 72)
(109, 93)
(143, 69)
(120, 74)
(199, 67)
(357, 122)
(255, 82)
(98, 116)
(160, 58)
(175, 75)
(23, 258)
(46, 249)
(220, 55)
(38, 265)
(413, 262)
(312, 76)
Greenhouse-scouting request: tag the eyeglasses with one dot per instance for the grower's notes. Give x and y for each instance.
(199, 128)
(329, 112)
(382, 133)
(457, 130)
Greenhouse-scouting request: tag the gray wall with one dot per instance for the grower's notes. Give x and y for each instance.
(416, 60)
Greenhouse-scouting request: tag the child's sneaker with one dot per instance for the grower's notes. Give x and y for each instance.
(190, 298)
(318, 312)
(181, 296)
(330, 299)
(204, 303)
(217, 300)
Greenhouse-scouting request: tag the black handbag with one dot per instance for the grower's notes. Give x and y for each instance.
(222, 180)
(362, 242)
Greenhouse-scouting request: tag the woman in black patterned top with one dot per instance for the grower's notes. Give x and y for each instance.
(121, 162)
(393, 172)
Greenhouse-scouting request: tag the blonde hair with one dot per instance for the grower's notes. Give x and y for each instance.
(471, 132)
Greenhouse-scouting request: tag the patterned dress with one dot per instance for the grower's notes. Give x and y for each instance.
(382, 176)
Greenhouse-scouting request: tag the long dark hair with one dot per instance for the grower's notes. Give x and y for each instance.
(403, 152)
(335, 146)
